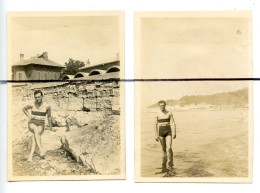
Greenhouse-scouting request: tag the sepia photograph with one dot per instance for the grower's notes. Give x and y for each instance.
(65, 98)
(193, 123)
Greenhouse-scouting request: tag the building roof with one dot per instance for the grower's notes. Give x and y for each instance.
(84, 74)
(67, 77)
(112, 75)
(86, 67)
(39, 60)
(46, 85)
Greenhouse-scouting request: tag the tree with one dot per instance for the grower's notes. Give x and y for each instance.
(72, 66)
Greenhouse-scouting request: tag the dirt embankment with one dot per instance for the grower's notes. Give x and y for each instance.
(92, 149)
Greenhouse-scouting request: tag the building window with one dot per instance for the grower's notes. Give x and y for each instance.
(39, 75)
(51, 75)
(19, 76)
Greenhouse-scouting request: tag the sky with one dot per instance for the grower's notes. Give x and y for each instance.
(174, 47)
(79, 37)
(187, 47)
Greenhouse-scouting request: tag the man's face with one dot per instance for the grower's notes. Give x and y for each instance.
(162, 106)
(38, 98)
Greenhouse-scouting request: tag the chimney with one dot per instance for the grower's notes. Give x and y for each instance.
(45, 55)
(88, 63)
(21, 56)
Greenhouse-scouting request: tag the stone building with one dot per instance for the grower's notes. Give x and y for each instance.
(38, 67)
(104, 70)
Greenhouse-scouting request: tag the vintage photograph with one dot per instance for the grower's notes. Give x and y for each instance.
(193, 130)
(66, 101)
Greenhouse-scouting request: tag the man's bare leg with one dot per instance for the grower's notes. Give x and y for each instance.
(36, 133)
(171, 171)
(32, 148)
(37, 149)
(37, 136)
(168, 141)
(164, 154)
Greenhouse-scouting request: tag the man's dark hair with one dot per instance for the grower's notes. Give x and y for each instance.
(37, 92)
(161, 101)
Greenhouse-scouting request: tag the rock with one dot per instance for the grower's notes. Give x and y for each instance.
(73, 119)
(44, 164)
(80, 158)
(51, 172)
(81, 119)
(58, 121)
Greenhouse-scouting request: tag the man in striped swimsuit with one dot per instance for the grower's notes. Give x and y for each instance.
(165, 131)
(36, 122)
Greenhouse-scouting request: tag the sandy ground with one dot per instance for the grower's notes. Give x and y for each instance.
(208, 144)
(57, 162)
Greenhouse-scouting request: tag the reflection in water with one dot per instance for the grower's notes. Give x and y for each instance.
(208, 144)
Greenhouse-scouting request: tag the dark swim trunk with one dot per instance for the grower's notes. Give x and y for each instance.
(37, 123)
(165, 131)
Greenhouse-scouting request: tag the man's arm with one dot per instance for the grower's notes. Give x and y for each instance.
(26, 112)
(173, 127)
(156, 136)
(49, 117)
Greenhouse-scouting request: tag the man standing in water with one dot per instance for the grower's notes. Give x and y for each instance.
(36, 123)
(165, 131)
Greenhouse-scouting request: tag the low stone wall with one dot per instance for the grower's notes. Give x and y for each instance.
(75, 96)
